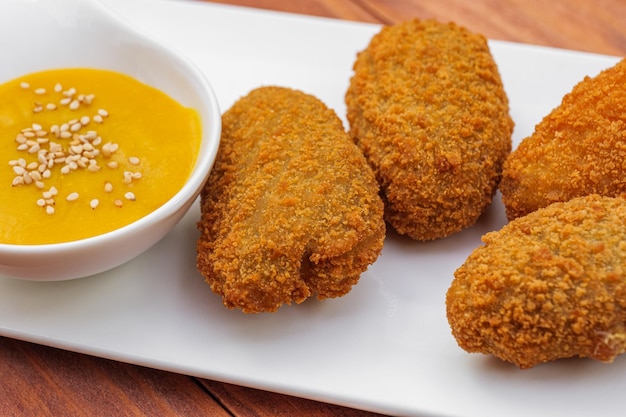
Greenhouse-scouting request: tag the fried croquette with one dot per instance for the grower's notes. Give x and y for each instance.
(427, 107)
(577, 149)
(548, 285)
(290, 209)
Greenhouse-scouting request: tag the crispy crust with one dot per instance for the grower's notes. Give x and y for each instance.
(577, 149)
(290, 209)
(427, 107)
(546, 286)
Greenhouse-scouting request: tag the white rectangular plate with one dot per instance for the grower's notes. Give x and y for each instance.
(384, 347)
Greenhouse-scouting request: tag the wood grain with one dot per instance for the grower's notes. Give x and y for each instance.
(44, 381)
(248, 402)
(581, 25)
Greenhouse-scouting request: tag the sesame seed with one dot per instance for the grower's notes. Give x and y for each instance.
(36, 127)
(134, 160)
(41, 202)
(51, 106)
(58, 88)
(72, 196)
(40, 91)
(97, 118)
(109, 148)
(19, 170)
(39, 184)
(112, 164)
(76, 127)
(103, 113)
(130, 196)
(65, 169)
(65, 101)
(20, 138)
(50, 210)
(93, 168)
(17, 181)
(94, 203)
(74, 104)
(24, 85)
(108, 187)
(118, 202)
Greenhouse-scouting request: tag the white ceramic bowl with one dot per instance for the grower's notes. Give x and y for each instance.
(43, 34)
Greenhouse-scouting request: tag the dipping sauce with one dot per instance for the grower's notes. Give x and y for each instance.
(84, 152)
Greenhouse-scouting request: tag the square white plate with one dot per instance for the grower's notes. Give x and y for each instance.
(384, 347)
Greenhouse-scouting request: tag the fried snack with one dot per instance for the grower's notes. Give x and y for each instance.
(291, 207)
(427, 107)
(577, 149)
(548, 285)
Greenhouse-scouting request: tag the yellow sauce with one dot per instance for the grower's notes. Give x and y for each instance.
(157, 143)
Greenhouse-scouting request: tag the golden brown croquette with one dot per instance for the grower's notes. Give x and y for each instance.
(291, 207)
(549, 285)
(427, 107)
(577, 149)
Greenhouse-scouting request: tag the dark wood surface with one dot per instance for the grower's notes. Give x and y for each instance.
(39, 381)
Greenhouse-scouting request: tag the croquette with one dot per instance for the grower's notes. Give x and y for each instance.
(549, 285)
(427, 107)
(577, 149)
(291, 209)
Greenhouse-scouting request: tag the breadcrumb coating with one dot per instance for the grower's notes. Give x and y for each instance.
(427, 107)
(577, 149)
(548, 285)
(291, 207)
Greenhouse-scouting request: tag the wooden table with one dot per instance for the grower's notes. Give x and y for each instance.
(38, 381)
